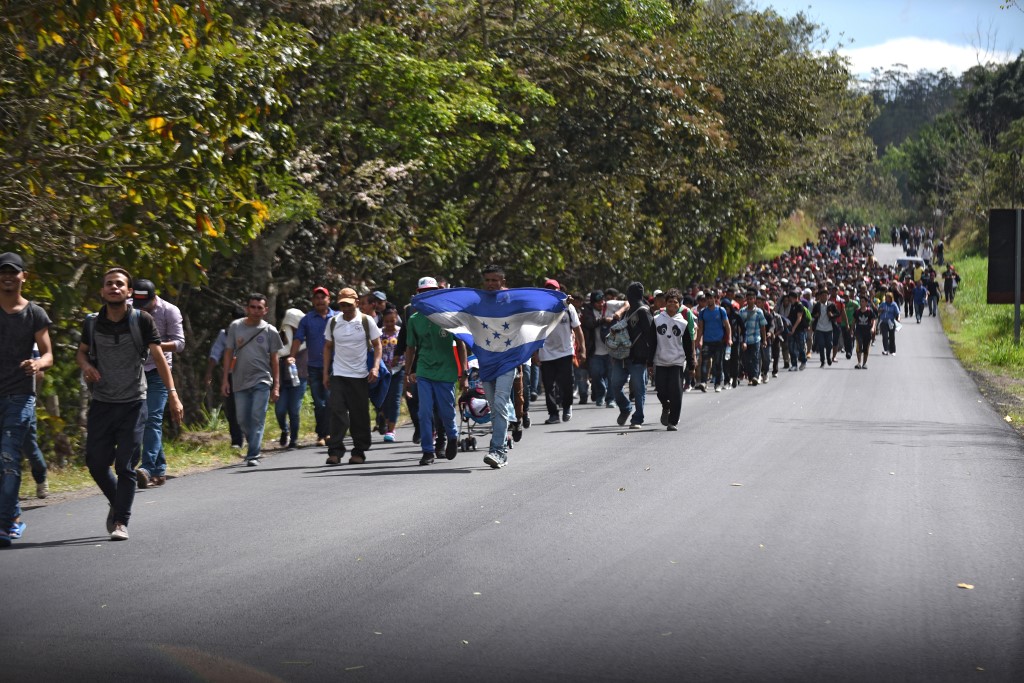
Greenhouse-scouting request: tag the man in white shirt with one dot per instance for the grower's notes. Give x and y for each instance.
(556, 358)
(348, 337)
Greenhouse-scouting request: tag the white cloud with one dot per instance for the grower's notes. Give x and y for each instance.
(918, 54)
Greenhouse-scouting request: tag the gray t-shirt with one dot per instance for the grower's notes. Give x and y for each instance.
(118, 357)
(17, 335)
(253, 348)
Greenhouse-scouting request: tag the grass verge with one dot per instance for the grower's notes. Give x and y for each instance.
(982, 339)
(793, 231)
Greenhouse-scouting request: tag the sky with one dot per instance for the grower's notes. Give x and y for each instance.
(922, 34)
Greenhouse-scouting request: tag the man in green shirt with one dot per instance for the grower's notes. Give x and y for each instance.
(434, 361)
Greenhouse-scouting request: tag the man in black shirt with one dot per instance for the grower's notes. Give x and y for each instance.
(22, 325)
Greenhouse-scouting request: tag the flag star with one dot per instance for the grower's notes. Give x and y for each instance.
(487, 341)
(508, 342)
(497, 335)
(506, 326)
(484, 325)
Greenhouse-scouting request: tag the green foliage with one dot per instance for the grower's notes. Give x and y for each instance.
(135, 133)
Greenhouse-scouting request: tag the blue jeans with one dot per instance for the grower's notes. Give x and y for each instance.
(288, 406)
(393, 401)
(797, 347)
(153, 460)
(31, 451)
(752, 361)
(499, 396)
(599, 368)
(321, 396)
(251, 406)
(636, 373)
(438, 396)
(15, 416)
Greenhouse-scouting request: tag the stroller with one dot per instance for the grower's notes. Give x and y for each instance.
(474, 411)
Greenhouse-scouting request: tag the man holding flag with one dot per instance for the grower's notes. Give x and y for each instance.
(504, 328)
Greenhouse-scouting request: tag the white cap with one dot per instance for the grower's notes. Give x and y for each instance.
(426, 283)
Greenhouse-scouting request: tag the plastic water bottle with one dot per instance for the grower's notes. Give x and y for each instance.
(728, 352)
(293, 375)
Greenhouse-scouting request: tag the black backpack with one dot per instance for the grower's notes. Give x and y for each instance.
(133, 325)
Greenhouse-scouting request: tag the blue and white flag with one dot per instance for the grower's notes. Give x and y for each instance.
(503, 328)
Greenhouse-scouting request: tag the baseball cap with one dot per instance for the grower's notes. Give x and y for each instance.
(143, 292)
(426, 283)
(552, 283)
(322, 290)
(13, 260)
(657, 293)
(596, 295)
(380, 296)
(347, 296)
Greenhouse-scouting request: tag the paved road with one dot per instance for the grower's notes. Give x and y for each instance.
(813, 529)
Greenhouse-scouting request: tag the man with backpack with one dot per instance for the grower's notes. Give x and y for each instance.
(713, 334)
(631, 358)
(251, 371)
(349, 337)
(114, 347)
(755, 337)
(556, 358)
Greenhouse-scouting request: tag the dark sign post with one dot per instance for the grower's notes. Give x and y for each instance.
(1004, 261)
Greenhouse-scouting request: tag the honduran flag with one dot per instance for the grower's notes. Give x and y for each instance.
(502, 328)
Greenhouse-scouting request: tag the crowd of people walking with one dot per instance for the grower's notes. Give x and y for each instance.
(361, 357)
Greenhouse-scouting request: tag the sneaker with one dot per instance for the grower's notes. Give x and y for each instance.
(664, 417)
(526, 420)
(754, 382)
(333, 460)
(566, 414)
(427, 459)
(673, 428)
(823, 364)
(252, 462)
(452, 449)
(609, 404)
(857, 366)
(42, 489)
(774, 375)
(864, 366)
(17, 529)
(636, 426)
(142, 478)
(718, 389)
(885, 353)
(284, 439)
(517, 432)
(110, 520)
(237, 445)
(293, 444)
(416, 435)
(803, 365)
(703, 387)
(553, 419)
(356, 458)
(583, 400)
(623, 416)
(496, 460)
(159, 480)
(120, 533)
(389, 437)
(892, 353)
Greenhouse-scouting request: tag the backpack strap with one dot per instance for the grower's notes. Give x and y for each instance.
(366, 329)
